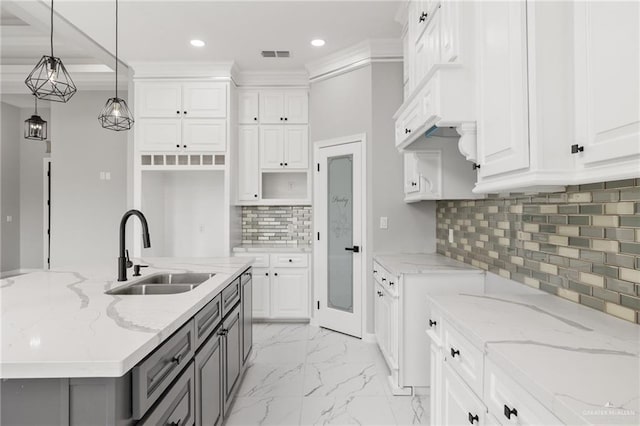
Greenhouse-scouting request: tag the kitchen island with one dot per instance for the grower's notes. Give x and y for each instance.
(72, 354)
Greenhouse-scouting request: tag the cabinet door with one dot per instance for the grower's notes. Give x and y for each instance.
(159, 100)
(248, 164)
(261, 293)
(247, 107)
(296, 147)
(459, 404)
(391, 312)
(449, 32)
(159, 134)
(411, 178)
(382, 316)
(271, 147)
(432, 35)
(247, 315)
(209, 383)
(204, 100)
(503, 131)
(232, 352)
(435, 383)
(177, 405)
(420, 52)
(289, 292)
(271, 107)
(607, 82)
(296, 107)
(203, 134)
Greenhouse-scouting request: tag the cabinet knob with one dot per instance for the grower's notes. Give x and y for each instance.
(223, 332)
(255, 195)
(575, 148)
(476, 166)
(391, 282)
(508, 412)
(184, 146)
(178, 112)
(184, 112)
(473, 418)
(407, 131)
(375, 272)
(423, 17)
(384, 279)
(177, 146)
(178, 423)
(281, 118)
(454, 352)
(255, 118)
(290, 260)
(275, 273)
(432, 323)
(177, 359)
(266, 274)
(286, 164)
(281, 164)
(286, 119)
(413, 184)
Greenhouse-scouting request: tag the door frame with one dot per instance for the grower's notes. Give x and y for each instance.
(360, 138)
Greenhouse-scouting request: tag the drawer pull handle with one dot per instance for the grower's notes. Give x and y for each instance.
(455, 352)
(473, 418)
(390, 282)
(380, 294)
(508, 412)
(375, 272)
(177, 359)
(423, 17)
(432, 323)
(223, 332)
(210, 319)
(384, 279)
(178, 423)
(290, 260)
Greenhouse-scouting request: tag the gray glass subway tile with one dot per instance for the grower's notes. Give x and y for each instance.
(592, 231)
(580, 288)
(608, 295)
(592, 256)
(578, 242)
(633, 221)
(591, 209)
(620, 234)
(606, 196)
(630, 302)
(630, 194)
(549, 288)
(568, 209)
(591, 186)
(579, 220)
(620, 183)
(608, 271)
(579, 265)
(592, 302)
(550, 229)
(620, 286)
(558, 219)
(632, 248)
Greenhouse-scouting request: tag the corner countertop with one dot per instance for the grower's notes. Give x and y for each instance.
(60, 323)
(583, 365)
(272, 248)
(422, 263)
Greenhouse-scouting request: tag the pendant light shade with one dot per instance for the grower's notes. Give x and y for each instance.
(50, 80)
(116, 114)
(35, 128)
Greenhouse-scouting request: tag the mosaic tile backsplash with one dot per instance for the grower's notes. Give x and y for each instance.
(286, 225)
(582, 244)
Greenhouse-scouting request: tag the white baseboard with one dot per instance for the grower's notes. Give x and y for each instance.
(369, 338)
(7, 274)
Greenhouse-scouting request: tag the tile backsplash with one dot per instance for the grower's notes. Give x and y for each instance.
(582, 244)
(286, 225)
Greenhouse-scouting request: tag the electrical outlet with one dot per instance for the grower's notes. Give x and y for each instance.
(102, 175)
(107, 175)
(384, 222)
(9, 218)
(451, 235)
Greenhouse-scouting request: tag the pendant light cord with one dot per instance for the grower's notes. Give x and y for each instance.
(51, 38)
(36, 102)
(116, 49)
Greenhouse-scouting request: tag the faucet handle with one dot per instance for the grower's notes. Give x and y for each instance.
(136, 269)
(129, 262)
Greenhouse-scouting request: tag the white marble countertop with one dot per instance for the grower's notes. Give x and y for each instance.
(60, 323)
(272, 248)
(422, 263)
(583, 365)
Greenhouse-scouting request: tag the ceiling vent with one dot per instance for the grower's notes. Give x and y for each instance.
(276, 54)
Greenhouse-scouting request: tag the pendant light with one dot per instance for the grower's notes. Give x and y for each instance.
(116, 115)
(50, 80)
(35, 128)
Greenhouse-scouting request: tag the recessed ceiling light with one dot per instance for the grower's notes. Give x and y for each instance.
(318, 42)
(197, 43)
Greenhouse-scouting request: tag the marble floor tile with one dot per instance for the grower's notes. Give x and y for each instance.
(264, 380)
(410, 410)
(354, 410)
(281, 332)
(265, 411)
(342, 380)
(329, 346)
(275, 352)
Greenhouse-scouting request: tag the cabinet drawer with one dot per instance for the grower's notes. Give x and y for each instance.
(378, 272)
(289, 260)
(504, 397)
(208, 319)
(434, 326)
(386, 279)
(177, 407)
(230, 296)
(464, 358)
(152, 376)
(261, 259)
(459, 405)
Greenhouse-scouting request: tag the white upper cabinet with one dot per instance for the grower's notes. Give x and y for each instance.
(503, 132)
(160, 134)
(271, 147)
(284, 107)
(204, 135)
(248, 164)
(204, 100)
(159, 100)
(248, 107)
(607, 85)
(271, 107)
(296, 147)
(296, 107)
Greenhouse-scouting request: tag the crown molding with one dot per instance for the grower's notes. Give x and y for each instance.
(354, 57)
(224, 71)
(272, 78)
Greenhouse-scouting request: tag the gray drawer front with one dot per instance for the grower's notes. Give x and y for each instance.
(152, 376)
(177, 406)
(230, 296)
(208, 319)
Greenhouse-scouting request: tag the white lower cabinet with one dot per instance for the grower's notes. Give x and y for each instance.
(280, 285)
(460, 405)
(386, 307)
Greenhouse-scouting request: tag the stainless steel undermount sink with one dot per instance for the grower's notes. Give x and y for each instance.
(163, 283)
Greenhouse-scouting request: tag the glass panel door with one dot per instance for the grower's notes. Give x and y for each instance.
(340, 235)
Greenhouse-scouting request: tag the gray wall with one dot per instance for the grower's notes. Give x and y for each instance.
(86, 210)
(364, 101)
(32, 155)
(10, 137)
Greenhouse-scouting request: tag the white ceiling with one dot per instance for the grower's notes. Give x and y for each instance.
(233, 30)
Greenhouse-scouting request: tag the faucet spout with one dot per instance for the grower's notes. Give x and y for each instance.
(123, 259)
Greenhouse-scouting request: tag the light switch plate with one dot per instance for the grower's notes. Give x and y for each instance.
(384, 222)
(451, 235)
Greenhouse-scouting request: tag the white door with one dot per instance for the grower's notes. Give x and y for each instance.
(338, 188)
(296, 147)
(296, 107)
(248, 164)
(204, 100)
(289, 291)
(271, 147)
(247, 107)
(202, 134)
(271, 107)
(159, 100)
(261, 291)
(503, 126)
